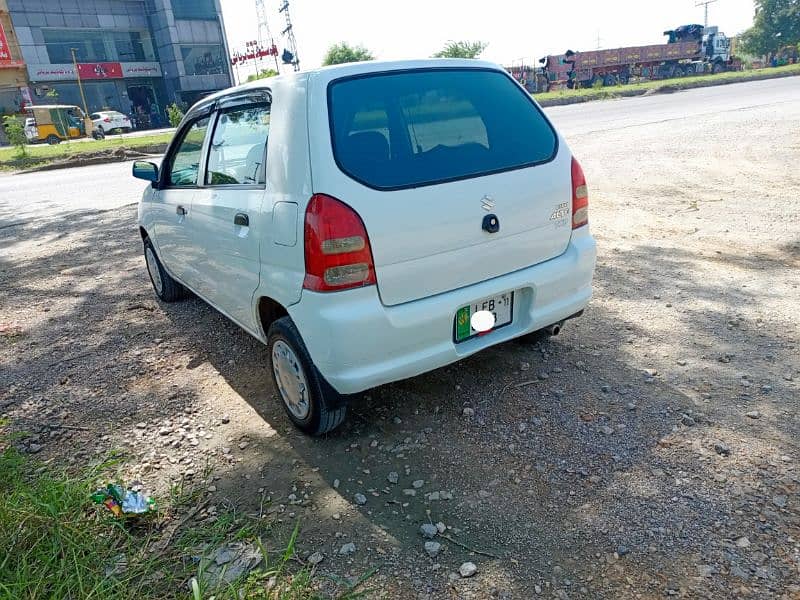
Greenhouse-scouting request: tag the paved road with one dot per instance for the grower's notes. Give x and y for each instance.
(54, 193)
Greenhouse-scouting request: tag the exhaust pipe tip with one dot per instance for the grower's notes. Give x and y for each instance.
(554, 329)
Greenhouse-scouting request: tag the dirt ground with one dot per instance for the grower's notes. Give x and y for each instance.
(649, 450)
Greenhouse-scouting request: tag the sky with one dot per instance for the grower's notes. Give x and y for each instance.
(514, 29)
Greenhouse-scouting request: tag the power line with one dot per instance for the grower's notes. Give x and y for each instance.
(289, 54)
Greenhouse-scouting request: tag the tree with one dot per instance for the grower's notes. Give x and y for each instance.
(461, 49)
(262, 74)
(777, 24)
(344, 53)
(175, 114)
(15, 131)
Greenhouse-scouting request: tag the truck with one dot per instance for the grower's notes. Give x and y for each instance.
(690, 50)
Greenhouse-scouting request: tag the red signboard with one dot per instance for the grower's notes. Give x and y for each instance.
(103, 70)
(5, 51)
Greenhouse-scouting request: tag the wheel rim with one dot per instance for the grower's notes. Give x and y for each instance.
(291, 380)
(152, 268)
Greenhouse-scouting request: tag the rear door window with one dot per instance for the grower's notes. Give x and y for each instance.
(238, 147)
(398, 130)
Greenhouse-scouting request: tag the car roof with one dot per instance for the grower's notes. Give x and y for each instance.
(345, 70)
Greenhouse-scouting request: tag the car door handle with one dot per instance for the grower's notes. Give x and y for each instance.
(180, 210)
(241, 219)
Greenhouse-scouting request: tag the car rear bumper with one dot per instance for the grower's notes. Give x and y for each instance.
(358, 343)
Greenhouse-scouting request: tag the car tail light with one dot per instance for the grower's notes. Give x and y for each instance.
(106, 120)
(338, 254)
(580, 196)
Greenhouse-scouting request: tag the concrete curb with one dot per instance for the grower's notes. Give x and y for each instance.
(669, 88)
(86, 161)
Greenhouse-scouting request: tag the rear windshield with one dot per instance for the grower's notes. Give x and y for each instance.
(421, 127)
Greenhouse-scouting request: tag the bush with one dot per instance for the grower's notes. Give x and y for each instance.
(175, 114)
(15, 130)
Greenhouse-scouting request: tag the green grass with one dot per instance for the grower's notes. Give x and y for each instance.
(681, 83)
(56, 543)
(40, 154)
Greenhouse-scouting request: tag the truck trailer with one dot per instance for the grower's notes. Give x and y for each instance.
(691, 50)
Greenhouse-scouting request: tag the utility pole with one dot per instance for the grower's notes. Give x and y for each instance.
(80, 83)
(289, 33)
(705, 5)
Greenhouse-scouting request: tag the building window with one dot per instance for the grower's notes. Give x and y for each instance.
(194, 9)
(204, 60)
(97, 45)
(89, 45)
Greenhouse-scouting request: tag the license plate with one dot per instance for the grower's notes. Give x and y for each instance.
(501, 306)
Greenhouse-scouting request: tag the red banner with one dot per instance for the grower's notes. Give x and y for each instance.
(5, 51)
(103, 70)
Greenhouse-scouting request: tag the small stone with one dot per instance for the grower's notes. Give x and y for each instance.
(623, 550)
(34, 448)
(779, 501)
(688, 421)
(605, 389)
(418, 483)
(743, 542)
(393, 477)
(432, 548)
(607, 430)
(433, 496)
(544, 376)
(681, 362)
(164, 431)
(446, 495)
(212, 489)
(348, 548)
(722, 449)
(317, 558)
(397, 420)
(428, 531)
(468, 569)
(360, 499)
(753, 414)
(524, 366)
(141, 425)
(409, 492)
(336, 484)
(225, 419)
(243, 445)
(631, 406)
(441, 527)
(468, 412)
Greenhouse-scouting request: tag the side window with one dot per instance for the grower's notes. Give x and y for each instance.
(185, 164)
(238, 147)
(94, 116)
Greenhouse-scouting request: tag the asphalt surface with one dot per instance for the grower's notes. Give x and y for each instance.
(102, 187)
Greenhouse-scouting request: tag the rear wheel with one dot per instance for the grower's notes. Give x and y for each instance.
(609, 80)
(53, 139)
(717, 68)
(310, 402)
(165, 287)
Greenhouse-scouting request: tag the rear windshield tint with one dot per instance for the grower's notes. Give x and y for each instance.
(415, 128)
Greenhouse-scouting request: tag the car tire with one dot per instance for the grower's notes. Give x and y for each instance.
(309, 401)
(53, 139)
(126, 130)
(165, 287)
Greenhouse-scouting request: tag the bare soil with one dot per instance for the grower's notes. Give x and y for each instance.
(651, 449)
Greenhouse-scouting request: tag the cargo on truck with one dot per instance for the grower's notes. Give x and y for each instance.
(690, 50)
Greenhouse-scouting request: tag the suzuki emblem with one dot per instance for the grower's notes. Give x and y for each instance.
(487, 203)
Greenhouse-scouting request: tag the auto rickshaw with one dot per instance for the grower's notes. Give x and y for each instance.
(56, 122)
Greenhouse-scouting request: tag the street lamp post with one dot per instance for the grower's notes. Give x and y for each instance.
(80, 84)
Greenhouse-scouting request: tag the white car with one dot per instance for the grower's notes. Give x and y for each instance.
(357, 218)
(31, 131)
(110, 120)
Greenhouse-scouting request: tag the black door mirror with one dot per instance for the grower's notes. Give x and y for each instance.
(145, 170)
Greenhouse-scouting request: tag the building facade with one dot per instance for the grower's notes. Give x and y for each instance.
(13, 75)
(135, 56)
